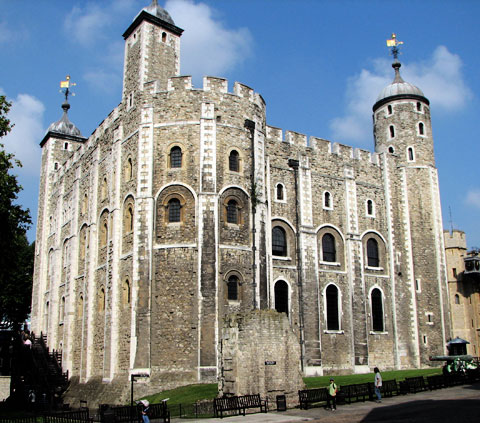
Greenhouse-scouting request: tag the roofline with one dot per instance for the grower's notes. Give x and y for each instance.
(59, 135)
(145, 16)
(399, 97)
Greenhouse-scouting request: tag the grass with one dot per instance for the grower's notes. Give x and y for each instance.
(192, 393)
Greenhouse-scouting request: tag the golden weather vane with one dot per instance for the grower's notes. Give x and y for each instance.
(65, 87)
(394, 43)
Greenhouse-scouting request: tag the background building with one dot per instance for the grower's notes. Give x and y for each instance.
(464, 289)
(184, 206)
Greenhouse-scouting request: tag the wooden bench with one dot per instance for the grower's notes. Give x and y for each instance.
(160, 411)
(223, 404)
(81, 416)
(416, 384)
(311, 396)
(357, 392)
(252, 401)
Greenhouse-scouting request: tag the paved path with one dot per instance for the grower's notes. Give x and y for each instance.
(461, 403)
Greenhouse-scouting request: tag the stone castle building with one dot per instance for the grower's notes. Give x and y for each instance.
(184, 206)
(463, 275)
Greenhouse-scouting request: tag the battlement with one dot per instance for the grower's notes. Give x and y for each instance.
(212, 84)
(322, 146)
(455, 239)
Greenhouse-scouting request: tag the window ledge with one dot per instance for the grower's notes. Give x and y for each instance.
(281, 258)
(233, 302)
(280, 201)
(174, 224)
(339, 332)
(374, 268)
(374, 332)
(328, 208)
(331, 263)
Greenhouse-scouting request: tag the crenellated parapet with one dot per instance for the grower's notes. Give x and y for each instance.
(322, 147)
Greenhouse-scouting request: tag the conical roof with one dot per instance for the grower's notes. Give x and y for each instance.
(399, 89)
(157, 11)
(64, 126)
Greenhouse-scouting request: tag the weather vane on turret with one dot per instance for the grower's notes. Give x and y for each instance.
(65, 87)
(394, 43)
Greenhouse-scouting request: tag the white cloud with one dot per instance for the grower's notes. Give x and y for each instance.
(8, 34)
(440, 78)
(473, 198)
(26, 113)
(86, 25)
(208, 47)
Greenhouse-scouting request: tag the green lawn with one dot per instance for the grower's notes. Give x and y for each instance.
(192, 393)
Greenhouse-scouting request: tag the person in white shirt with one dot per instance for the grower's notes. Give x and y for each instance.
(378, 384)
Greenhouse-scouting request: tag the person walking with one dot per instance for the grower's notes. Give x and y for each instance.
(378, 384)
(332, 395)
(145, 411)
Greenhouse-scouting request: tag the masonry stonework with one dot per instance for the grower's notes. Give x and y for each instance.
(184, 206)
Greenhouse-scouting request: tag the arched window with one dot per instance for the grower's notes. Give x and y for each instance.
(332, 308)
(389, 108)
(457, 299)
(164, 37)
(281, 297)
(392, 131)
(80, 307)
(280, 192)
(377, 310)
(129, 170)
(126, 293)
(327, 200)
(234, 161)
(101, 300)
(104, 188)
(174, 210)
(104, 234)
(128, 218)
(279, 241)
(372, 253)
(85, 204)
(176, 157)
(232, 288)
(47, 316)
(329, 253)
(421, 128)
(62, 310)
(232, 212)
(391, 150)
(411, 157)
(419, 106)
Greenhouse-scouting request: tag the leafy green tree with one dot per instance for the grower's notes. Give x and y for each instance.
(16, 254)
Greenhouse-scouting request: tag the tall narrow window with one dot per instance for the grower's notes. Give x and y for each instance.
(328, 248)
(372, 253)
(279, 241)
(176, 157)
(457, 299)
(392, 131)
(369, 208)
(421, 129)
(419, 106)
(232, 288)
(129, 219)
(280, 194)
(101, 300)
(62, 310)
(174, 210)
(126, 294)
(234, 161)
(80, 307)
(164, 37)
(104, 188)
(377, 310)
(332, 308)
(232, 212)
(85, 204)
(410, 154)
(389, 108)
(281, 297)
(327, 200)
(129, 170)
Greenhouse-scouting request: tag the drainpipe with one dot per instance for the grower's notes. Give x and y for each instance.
(294, 164)
(250, 126)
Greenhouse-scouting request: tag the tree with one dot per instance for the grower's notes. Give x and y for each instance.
(16, 254)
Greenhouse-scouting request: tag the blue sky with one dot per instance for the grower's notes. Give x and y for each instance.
(319, 65)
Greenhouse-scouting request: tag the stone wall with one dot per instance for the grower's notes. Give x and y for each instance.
(260, 354)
